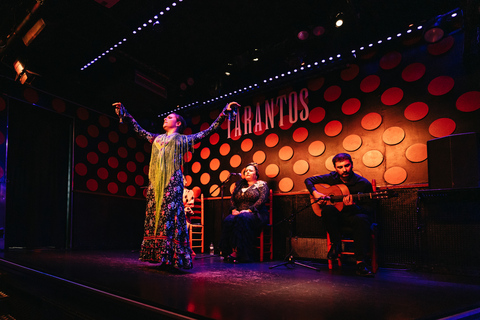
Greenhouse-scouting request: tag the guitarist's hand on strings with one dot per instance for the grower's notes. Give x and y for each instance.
(348, 200)
(317, 195)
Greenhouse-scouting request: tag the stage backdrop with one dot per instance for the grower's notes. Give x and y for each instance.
(381, 107)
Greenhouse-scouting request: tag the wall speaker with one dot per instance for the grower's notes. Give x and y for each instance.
(453, 161)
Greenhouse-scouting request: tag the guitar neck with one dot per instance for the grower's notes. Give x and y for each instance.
(358, 196)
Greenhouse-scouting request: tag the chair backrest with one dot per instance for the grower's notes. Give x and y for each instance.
(197, 216)
(269, 205)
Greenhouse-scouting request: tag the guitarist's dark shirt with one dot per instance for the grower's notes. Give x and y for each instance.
(355, 184)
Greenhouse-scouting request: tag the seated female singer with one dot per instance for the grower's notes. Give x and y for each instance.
(248, 215)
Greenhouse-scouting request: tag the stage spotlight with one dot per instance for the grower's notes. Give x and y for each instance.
(339, 20)
(23, 75)
(33, 32)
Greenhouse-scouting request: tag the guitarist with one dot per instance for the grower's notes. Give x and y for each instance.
(353, 215)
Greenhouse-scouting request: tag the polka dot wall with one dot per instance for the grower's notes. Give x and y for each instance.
(382, 109)
(110, 158)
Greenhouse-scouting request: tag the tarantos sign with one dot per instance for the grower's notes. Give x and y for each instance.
(281, 111)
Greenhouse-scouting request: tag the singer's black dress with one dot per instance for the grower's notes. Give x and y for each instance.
(239, 231)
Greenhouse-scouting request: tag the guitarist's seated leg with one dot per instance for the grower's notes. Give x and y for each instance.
(331, 219)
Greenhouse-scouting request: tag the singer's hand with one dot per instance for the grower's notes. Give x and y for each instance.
(228, 107)
(118, 106)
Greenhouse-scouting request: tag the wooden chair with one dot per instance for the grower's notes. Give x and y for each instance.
(196, 226)
(347, 243)
(265, 239)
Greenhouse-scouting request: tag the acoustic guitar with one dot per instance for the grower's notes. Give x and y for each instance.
(336, 193)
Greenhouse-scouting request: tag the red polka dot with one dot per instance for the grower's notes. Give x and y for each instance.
(370, 83)
(390, 60)
(187, 131)
(123, 127)
(469, 101)
(350, 73)
(332, 93)
(140, 157)
(214, 139)
(81, 141)
(316, 115)
(113, 162)
(112, 188)
(286, 123)
(333, 128)
(441, 85)
(416, 152)
(122, 176)
(31, 95)
(92, 185)
(416, 111)
(205, 153)
(234, 136)
(316, 84)
(2, 138)
(371, 121)
(139, 180)
(102, 173)
(197, 145)
(392, 96)
(1, 172)
(82, 113)
(188, 157)
(442, 127)
(131, 166)
(113, 136)
(146, 169)
(122, 152)
(204, 126)
(260, 131)
(92, 157)
(246, 145)
(81, 169)
(413, 72)
(131, 191)
(132, 142)
(3, 104)
(351, 106)
(93, 131)
(196, 119)
(271, 140)
(442, 46)
(147, 147)
(103, 147)
(104, 121)
(300, 135)
(58, 105)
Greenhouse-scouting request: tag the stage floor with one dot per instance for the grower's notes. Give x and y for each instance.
(218, 290)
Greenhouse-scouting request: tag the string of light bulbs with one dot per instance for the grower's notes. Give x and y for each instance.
(151, 22)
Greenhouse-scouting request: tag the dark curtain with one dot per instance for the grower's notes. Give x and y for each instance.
(38, 172)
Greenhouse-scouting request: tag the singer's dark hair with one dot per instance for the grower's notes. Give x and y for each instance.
(253, 164)
(183, 124)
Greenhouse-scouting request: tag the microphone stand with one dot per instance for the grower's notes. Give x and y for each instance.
(290, 259)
